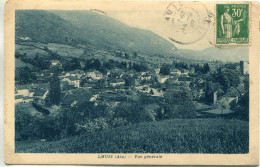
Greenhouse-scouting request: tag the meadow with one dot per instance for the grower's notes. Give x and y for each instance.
(216, 135)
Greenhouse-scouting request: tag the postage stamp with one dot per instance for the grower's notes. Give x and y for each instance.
(232, 24)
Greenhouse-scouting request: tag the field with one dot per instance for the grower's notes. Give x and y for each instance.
(170, 136)
(20, 64)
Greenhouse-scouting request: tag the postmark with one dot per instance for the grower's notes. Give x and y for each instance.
(232, 24)
(189, 21)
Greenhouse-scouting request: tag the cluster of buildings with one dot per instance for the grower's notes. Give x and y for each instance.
(31, 92)
(80, 86)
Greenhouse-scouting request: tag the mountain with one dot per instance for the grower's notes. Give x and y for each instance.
(88, 28)
(233, 54)
(44, 27)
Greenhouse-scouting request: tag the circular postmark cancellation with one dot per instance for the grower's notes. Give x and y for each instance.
(189, 21)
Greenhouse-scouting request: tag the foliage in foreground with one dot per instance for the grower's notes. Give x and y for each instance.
(171, 136)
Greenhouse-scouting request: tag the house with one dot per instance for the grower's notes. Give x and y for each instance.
(108, 73)
(67, 87)
(18, 99)
(72, 80)
(240, 88)
(95, 74)
(185, 80)
(184, 71)
(94, 97)
(116, 73)
(232, 92)
(193, 74)
(55, 62)
(231, 97)
(175, 72)
(157, 71)
(143, 73)
(42, 85)
(148, 90)
(25, 90)
(163, 79)
(22, 90)
(172, 82)
(22, 99)
(117, 82)
(67, 74)
(76, 98)
(77, 73)
(155, 92)
(146, 77)
(41, 93)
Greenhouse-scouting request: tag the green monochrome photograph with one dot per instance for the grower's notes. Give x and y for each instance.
(232, 23)
(132, 82)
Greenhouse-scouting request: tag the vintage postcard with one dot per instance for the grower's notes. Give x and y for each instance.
(131, 82)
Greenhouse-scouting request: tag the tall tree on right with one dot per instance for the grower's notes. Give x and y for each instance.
(227, 78)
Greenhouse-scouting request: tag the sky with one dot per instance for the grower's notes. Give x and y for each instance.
(150, 16)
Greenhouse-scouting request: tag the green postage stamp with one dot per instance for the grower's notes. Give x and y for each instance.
(232, 24)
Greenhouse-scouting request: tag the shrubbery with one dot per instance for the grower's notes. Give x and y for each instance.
(179, 104)
(89, 117)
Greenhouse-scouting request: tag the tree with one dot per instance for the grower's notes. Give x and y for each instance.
(72, 65)
(206, 68)
(40, 62)
(134, 112)
(135, 54)
(93, 64)
(130, 66)
(23, 119)
(129, 81)
(136, 67)
(227, 78)
(198, 69)
(179, 104)
(24, 75)
(55, 90)
(243, 107)
(165, 69)
(126, 55)
(110, 64)
(143, 66)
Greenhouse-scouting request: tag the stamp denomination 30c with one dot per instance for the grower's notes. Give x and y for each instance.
(232, 24)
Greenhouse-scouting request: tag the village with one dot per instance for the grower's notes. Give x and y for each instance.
(119, 85)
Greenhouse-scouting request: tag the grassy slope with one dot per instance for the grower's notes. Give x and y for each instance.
(171, 136)
(20, 64)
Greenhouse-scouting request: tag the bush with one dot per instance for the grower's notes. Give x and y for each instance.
(134, 112)
(179, 104)
(92, 126)
(117, 122)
